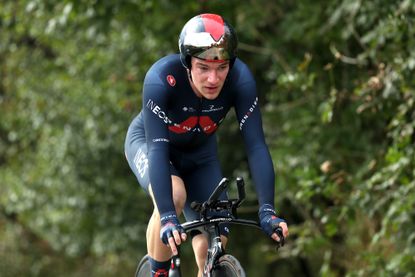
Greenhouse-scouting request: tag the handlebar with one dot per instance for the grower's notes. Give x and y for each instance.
(213, 204)
(191, 225)
(222, 186)
(241, 190)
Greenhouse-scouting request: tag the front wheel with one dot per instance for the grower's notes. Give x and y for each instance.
(143, 268)
(228, 266)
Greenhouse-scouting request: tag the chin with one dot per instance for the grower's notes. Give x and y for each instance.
(211, 96)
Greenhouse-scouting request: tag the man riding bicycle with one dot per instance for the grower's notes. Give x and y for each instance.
(171, 144)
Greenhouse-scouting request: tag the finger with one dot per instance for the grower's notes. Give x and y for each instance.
(177, 238)
(281, 238)
(275, 237)
(184, 236)
(172, 245)
(284, 227)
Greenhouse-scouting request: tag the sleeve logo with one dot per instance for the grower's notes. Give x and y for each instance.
(171, 80)
(248, 113)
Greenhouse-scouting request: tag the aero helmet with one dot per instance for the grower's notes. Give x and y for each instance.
(208, 37)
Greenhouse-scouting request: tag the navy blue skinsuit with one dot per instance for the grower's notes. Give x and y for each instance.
(174, 134)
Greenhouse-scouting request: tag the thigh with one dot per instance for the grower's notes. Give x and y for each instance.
(137, 157)
(136, 154)
(200, 184)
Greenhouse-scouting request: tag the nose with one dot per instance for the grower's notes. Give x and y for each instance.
(213, 76)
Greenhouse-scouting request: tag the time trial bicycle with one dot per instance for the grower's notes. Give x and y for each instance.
(218, 262)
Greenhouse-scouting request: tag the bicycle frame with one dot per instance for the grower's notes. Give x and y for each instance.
(211, 224)
(215, 247)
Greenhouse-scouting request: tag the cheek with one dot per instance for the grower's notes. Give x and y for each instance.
(198, 78)
(223, 75)
(196, 81)
(224, 72)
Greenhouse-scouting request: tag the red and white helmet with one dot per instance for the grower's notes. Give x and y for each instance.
(208, 37)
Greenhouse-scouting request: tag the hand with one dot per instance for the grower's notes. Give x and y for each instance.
(171, 233)
(270, 222)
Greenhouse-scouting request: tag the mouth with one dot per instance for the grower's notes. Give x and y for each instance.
(212, 89)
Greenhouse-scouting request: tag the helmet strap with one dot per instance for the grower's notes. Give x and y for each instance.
(189, 74)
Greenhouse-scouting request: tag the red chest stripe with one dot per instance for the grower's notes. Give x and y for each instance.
(185, 126)
(207, 125)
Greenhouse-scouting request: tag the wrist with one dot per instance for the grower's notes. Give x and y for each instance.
(168, 216)
(266, 209)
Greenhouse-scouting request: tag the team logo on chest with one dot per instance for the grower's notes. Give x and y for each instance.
(171, 80)
(212, 108)
(195, 124)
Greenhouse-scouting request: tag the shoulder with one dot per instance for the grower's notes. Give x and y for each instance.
(240, 73)
(165, 71)
(240, 79)
(169, 61)
(240, 65)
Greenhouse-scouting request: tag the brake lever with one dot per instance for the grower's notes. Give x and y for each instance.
(280, 234)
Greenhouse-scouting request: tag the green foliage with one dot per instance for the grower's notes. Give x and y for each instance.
(345, 139)
(337, 95)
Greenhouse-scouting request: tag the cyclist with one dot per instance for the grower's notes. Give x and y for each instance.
(171, 145)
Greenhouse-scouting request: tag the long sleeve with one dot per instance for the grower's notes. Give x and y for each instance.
(155, 123)
(250, 124)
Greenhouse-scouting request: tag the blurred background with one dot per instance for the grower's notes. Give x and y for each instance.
(337, 90)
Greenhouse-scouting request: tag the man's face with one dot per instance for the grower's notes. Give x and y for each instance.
(208, 77)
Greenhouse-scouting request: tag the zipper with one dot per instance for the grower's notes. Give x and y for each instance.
(199, 112)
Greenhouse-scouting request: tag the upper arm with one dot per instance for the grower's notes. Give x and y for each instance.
(155, 105)
(248, 112)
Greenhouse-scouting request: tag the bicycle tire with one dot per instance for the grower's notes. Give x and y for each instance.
(228, 266)
(143, 268)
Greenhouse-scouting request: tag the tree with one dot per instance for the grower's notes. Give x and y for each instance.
(337, 96)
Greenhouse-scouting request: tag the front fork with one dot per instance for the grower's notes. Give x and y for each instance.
(215, 249)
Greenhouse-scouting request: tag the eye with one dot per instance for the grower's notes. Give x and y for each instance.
(223, 67)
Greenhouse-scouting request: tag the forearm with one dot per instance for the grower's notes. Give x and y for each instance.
(262, 171)
(160, 180)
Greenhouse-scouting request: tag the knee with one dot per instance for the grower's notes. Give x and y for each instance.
(200, 246)
(179, 194)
